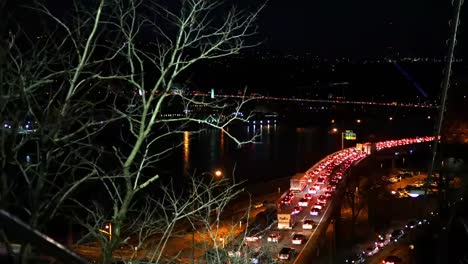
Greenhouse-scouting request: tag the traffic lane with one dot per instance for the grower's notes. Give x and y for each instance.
(310, 248)
(400, 249)
(286, 235)
(305, 214)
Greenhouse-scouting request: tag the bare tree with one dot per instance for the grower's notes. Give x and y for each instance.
(61, 89)
(354, 198)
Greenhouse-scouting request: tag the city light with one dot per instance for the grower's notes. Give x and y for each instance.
(390, 118)
(335, 130)
(358, 121)
(218, 173)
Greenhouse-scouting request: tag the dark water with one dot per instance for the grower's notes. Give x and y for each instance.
(281, 150)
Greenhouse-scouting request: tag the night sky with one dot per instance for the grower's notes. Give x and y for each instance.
(360, 28)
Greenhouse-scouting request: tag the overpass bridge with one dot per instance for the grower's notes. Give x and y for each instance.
(320, 101)
(325, 188)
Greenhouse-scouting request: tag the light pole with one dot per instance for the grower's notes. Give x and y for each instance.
(335, 130)
(342, 140)
(107, 230)
(215, 174)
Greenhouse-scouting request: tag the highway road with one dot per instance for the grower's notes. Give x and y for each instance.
(328, 168)
(331, 167)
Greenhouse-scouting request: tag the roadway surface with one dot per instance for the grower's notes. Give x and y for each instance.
(334, 163)
(328, 168)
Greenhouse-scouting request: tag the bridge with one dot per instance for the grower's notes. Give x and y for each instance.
(321, 101)
(306, 210)
(326, 178)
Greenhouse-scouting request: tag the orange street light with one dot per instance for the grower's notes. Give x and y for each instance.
(218, 173)
(107, 231)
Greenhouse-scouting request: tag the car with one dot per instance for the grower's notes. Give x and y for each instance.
(411, 224)
(318, 206)
(321, 181)
(316, 186)
(329, 189)
(256, 257)
(335, 179)
(328, 194)
(419, 183)
(312, 190)
(303, 202)
(286, 201)
(423, 221)
(393, 179)
(286, 253)
(254, 237)
(397, 234)
(314, 211)
(355, 259)
(322, 199)
(382, 240)
(296, 210)
(236, 251)
(371, 250)
(392, 260)
(308, 196)
(298, 239)
(274, 238)
(308, 224)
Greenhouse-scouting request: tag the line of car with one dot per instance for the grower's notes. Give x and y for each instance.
(384, 240)
(322, 181)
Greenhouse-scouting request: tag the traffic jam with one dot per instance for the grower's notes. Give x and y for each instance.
(302, 209)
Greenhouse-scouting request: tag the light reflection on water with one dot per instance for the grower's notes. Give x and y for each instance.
(186, 150)
(279, 151)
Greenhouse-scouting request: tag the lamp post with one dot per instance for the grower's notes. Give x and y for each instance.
(214, 174)
(342, 140)
(107, 230)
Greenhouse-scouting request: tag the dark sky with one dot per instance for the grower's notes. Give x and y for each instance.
(357, 27)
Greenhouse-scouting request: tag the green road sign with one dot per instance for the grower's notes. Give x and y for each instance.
(350, 135)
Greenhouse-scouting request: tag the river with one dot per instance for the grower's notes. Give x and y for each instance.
(280, 150)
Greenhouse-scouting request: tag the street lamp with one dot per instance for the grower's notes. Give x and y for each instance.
(335, 130)
(107, 230)
(344, 136)
(218, 173)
